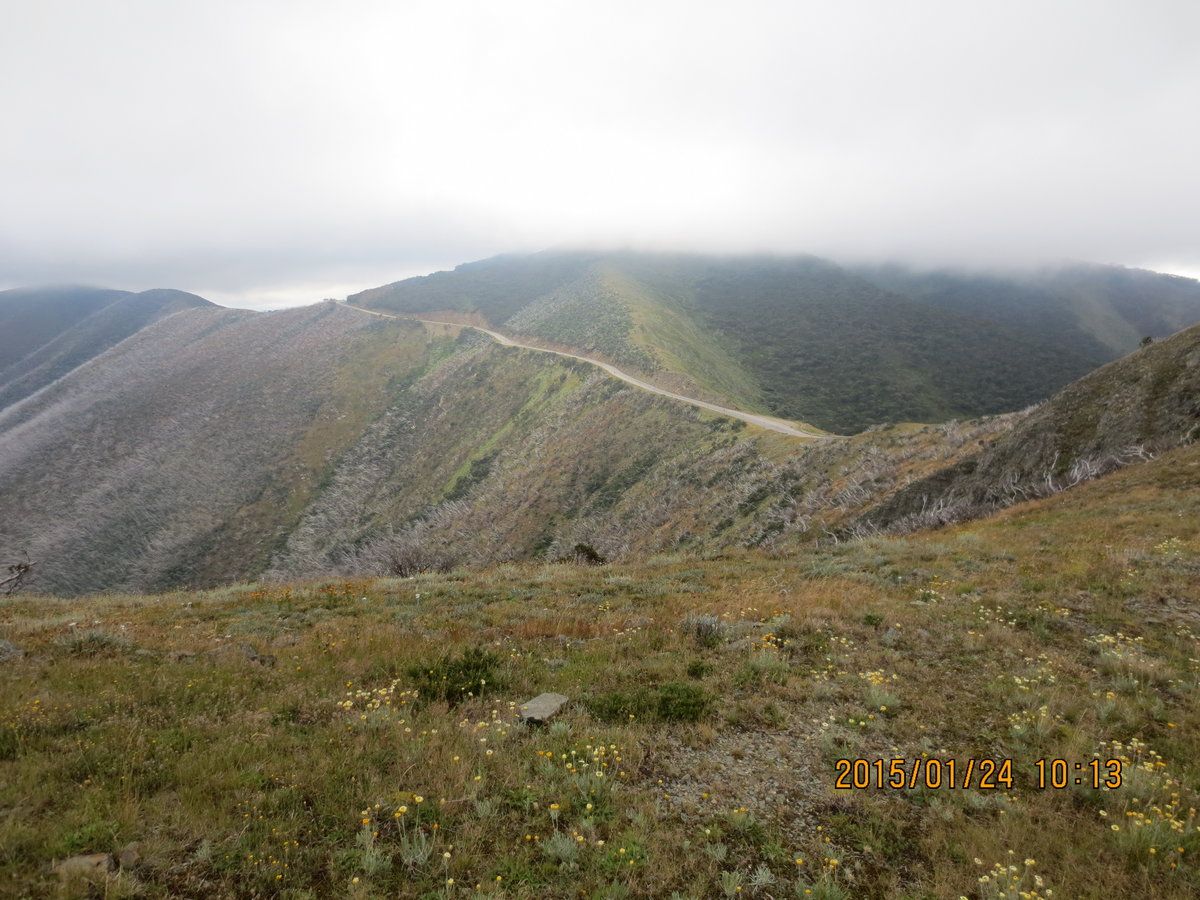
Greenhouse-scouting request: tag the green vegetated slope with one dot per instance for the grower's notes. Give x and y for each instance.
(48, 332)
(186, 453)
(590, 313)
(1124, 412)
(359, 738)
(803, 338)
(498, 454)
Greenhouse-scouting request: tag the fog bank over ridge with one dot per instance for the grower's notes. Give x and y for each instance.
(281, 150)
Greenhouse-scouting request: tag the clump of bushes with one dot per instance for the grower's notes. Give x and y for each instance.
(453, 679)
(585, 555)
(671, 702)
(93, 642)
(678, 702)
(706, 630)
(698, 668)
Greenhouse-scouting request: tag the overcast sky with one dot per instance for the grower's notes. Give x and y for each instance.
(263, 153)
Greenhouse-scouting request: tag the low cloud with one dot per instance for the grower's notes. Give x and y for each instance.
(262, 151)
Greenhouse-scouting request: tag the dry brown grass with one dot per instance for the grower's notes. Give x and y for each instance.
(143, 718)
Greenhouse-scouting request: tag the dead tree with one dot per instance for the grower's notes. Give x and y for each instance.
(16, 575)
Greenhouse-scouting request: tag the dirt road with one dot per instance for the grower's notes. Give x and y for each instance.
(768, 422)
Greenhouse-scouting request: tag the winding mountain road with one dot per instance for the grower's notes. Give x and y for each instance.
(768, 422)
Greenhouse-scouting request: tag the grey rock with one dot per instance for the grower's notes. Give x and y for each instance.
(89, 867)
(263, 659)
(542, 708)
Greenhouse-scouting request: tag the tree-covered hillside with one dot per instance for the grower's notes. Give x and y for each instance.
(804, 338)
(1104, 311)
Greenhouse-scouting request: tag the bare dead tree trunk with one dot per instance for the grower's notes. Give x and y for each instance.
(17, 573)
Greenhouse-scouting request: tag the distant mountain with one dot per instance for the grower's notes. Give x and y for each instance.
(47, 332)
(801, 337)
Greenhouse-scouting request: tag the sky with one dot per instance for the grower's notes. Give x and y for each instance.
(266, 154)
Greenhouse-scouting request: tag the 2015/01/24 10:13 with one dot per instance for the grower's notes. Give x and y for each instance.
(982, 774)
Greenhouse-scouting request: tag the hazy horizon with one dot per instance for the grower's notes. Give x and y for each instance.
(271, 154)
(305, 295)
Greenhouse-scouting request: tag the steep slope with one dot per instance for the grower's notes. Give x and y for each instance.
(213, 445)
(816, 337)
(499, 454)
(185, 454)
(216, 444)
(109, 324)
(1125, 412)
(805, 339)
(1102, 311)
(31, 317)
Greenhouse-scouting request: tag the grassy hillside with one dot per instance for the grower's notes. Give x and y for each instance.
(806, 339)
(219, 445)
(497, 288)
(589, 313)
(358, 738)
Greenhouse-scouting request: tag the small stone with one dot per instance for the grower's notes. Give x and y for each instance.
(129, 855)
(90, 867)
(542, 708)
(263, 659)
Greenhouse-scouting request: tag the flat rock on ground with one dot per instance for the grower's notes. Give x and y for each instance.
(90, 867)
(9, 650)
(542, 708)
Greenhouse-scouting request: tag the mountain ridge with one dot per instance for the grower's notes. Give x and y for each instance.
(87, 322)
(214, 444)
(803, 338)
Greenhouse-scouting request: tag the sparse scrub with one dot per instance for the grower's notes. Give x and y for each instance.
(344, 770)
(678, 702)
(455, 678)
(93, 642)
(706, 630)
